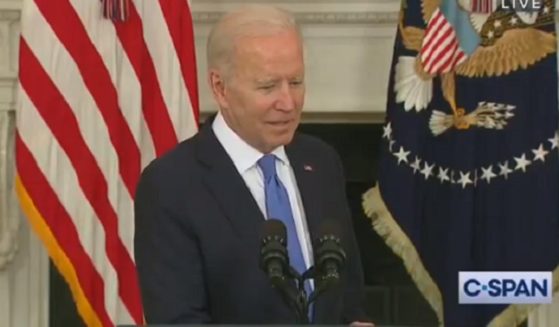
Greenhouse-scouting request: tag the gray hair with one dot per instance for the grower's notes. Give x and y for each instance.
(252, 20)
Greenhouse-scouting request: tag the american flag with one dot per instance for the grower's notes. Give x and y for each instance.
(472, 197)
(440, 51)
(98, 100)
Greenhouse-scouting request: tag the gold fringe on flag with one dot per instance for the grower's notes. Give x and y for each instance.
(386, 226)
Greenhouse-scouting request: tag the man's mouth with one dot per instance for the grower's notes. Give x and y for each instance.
(280, 122)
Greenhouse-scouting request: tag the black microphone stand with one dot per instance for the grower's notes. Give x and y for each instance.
(297, 297)
(300, 302)
(322, 282)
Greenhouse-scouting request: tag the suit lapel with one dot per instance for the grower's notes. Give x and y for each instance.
(307, 174)
(228, 188)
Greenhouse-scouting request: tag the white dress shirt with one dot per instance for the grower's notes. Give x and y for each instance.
(245, 159)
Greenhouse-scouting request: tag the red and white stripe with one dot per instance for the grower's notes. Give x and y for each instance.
(482, 6)
(440, 51)
(98, 101)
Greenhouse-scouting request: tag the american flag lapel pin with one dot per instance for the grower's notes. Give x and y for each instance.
(307, 168)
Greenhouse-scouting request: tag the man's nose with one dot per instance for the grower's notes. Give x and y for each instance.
(286, 100)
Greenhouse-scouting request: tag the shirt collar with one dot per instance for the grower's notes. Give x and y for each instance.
(244, 156)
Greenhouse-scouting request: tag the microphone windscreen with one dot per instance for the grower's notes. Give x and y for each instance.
(273, 228)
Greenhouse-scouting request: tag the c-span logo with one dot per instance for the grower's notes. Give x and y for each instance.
(479, 287)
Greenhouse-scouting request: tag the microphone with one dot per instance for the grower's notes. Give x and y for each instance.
(274, 260)
(273, 252)
(329, 255)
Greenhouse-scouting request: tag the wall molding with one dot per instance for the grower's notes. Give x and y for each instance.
(9, 215)
(319, 17)
(306, 18)
(7, 93)
(11, 4)
(10, 14)
(310, 117)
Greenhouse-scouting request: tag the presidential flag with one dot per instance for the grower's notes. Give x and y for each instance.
(104, 88)
(469, 175)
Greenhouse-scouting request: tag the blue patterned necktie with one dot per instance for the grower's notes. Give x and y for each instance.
(278, 207)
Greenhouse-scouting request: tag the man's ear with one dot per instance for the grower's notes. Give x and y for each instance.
(216, 81)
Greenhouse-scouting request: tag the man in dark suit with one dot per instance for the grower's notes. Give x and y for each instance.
(199, 209)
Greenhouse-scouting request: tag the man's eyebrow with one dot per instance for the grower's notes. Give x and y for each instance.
(266, 80)
(274, 79)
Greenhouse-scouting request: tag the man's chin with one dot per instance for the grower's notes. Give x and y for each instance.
(286, 139)
(281, 140)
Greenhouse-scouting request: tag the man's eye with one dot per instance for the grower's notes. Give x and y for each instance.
(296, 83)
(266, 87)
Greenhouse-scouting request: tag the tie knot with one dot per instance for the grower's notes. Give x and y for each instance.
(268, 165)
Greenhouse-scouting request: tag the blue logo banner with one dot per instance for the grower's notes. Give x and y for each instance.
(486, 287)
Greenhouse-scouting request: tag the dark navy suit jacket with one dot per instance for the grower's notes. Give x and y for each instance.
(197, 237)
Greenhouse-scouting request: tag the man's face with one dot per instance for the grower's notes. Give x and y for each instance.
(263, 95)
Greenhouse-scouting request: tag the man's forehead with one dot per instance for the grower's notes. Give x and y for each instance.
(265, 46)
